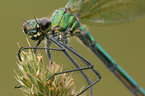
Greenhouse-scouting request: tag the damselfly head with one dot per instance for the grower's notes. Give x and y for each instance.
(37, 28)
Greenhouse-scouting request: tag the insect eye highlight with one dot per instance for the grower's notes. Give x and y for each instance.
(45, 24)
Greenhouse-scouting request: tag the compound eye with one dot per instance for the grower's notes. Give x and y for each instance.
(25, 28)
(45, 25)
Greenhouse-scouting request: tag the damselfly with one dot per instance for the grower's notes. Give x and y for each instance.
(67, 22)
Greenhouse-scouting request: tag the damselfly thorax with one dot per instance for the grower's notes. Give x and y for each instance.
(62, 25)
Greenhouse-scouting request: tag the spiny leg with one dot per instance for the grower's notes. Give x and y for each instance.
(37, 44)
(88, 64)
(84, 60)
(79, 69)
(48, 51)
(87, 79)
(44, 48)
(67, 54)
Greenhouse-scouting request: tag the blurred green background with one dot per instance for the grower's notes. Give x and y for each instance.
(124, 42)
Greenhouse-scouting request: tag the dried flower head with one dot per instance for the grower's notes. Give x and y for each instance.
(35, 73)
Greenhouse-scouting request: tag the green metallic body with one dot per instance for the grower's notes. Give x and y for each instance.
(128, 81)
(65, 22)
